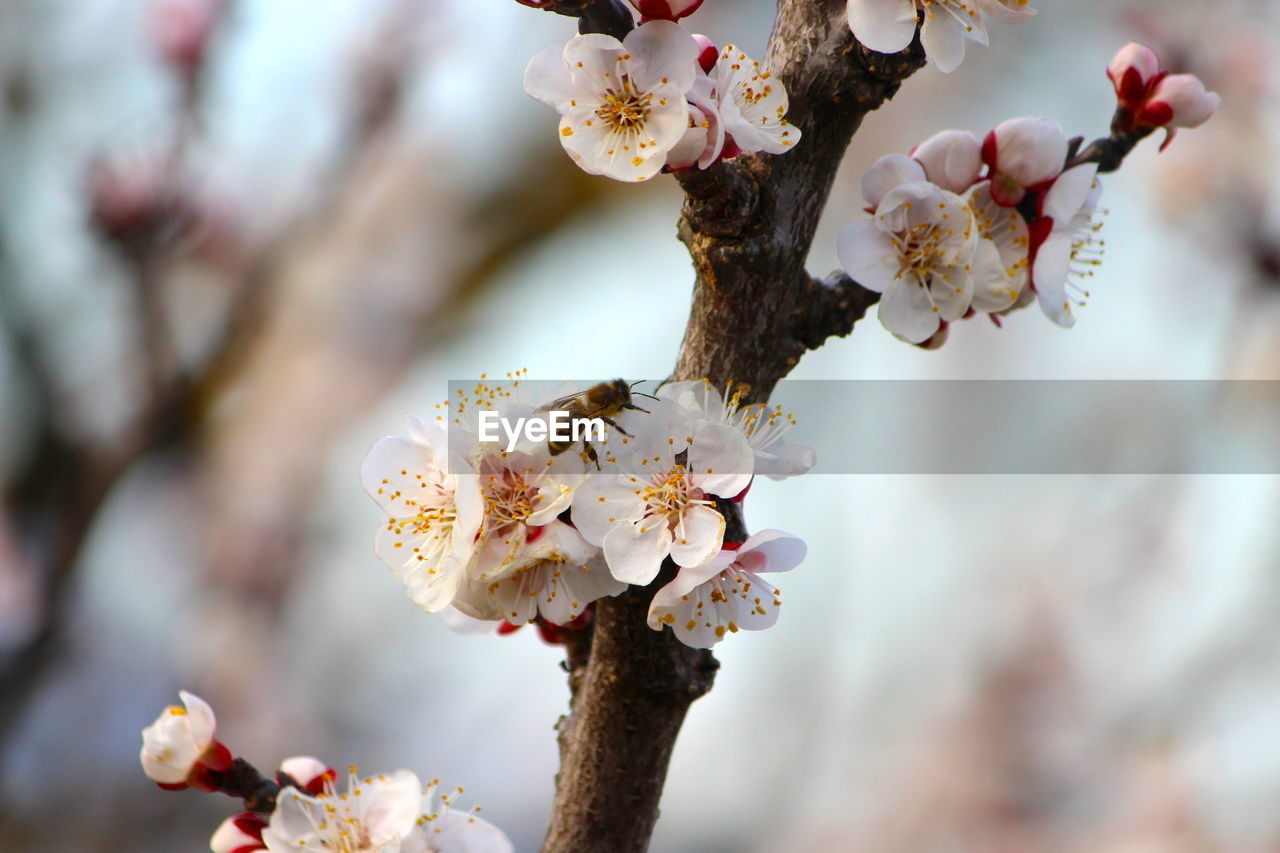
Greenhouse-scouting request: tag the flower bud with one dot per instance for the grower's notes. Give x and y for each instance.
(311, 773)
(665, 10)
(1132, 69)
(1023, 153)
(239, 834)
(951, 159)
(710, 53)
(1179, 100)
(179, 748)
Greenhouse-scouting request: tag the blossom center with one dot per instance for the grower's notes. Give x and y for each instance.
(669, 494)
(920, 249)
(508, 497)
(625, 110)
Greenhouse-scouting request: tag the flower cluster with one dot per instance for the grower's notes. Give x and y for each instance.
(888, 26)
(536, 529)
(964, 227)
(374, 814)
(661, 98)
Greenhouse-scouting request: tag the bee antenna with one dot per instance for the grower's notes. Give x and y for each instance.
(642, 394)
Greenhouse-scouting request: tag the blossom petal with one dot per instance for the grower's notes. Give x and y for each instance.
(547, 79)
(698, 536)
(906, 312)
(720, 460)
(1069, 193)
(885, 26)
(781, 551)
(662, 52)
(868, 254)
(943, 38)
(1049, 273)
(888, 173)
(635, 550)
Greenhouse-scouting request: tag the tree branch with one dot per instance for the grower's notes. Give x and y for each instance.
(748, 224)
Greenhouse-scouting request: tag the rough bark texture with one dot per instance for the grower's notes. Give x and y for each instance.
(748, 224)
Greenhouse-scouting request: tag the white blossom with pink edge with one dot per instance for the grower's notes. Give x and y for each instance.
(1179, 100)
(239, 834)
(1132, 68)
(433, 513)
(179, 740)
(1023, 154)
(309, 772)
(763, 426)
(622, 103)
(645, 506)
(726, 593)
(1071, 250)
(753, 104)
(917, 250)
(951, 159)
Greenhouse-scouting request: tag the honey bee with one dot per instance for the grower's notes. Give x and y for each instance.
(604, 401)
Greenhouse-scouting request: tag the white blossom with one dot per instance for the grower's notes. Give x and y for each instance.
(888, 26)
(377, 814)
(726, 594)
(179, 739)
(1001, 258)
(622, 103)
(433, 511)
(917, 251)
(763, 426)
(1071, 250)
(560, 575)
(646, 505)
(753, 104)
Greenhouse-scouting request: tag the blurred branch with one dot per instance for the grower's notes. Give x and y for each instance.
(748, 224)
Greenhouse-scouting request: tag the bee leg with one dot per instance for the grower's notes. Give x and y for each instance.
(612, 423)
(591, 454)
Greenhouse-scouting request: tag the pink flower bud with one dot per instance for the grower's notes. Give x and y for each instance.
(665, 10)
(1179, 100)
(710, 53)
(1023, 154)
(311, 773)
(951, 159)
(1132, 69)
(239, 834)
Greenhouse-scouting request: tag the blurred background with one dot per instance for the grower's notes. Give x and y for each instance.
(240, 239)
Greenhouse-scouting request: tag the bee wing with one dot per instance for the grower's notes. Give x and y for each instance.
(564, 402)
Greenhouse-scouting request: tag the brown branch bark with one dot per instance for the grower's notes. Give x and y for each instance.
(748, 225)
